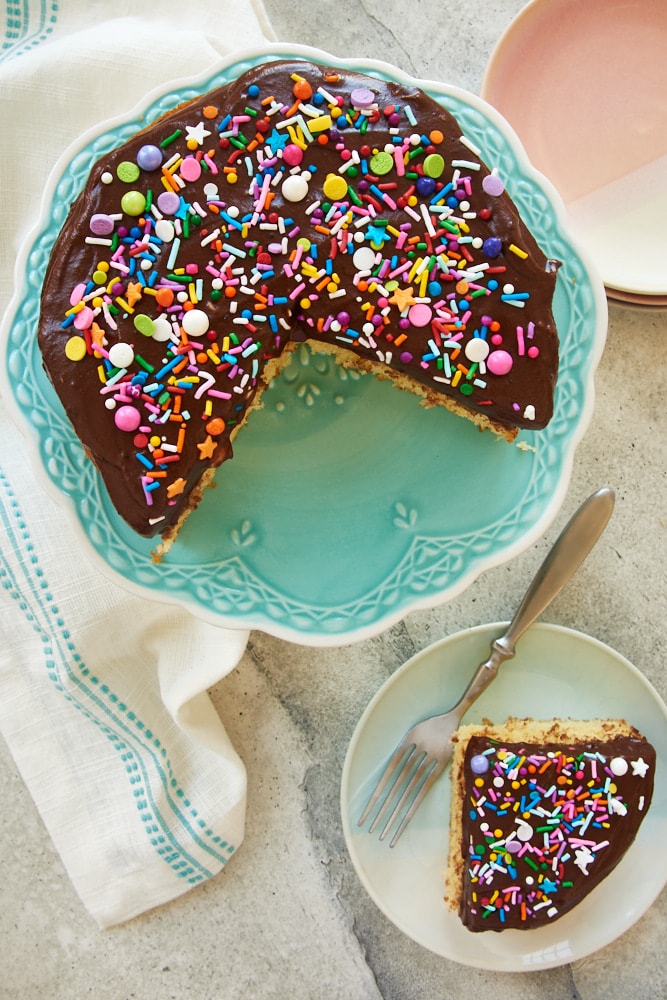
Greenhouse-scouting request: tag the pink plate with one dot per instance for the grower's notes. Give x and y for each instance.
(584, 85)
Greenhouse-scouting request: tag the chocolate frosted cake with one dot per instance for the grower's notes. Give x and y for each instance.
(298, 202)
(541, 813)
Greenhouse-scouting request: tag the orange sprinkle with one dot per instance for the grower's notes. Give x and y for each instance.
(303, 90)
(215, 426)
(164, 297)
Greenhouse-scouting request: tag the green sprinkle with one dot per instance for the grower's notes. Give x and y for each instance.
(143, 363)
(171, 138)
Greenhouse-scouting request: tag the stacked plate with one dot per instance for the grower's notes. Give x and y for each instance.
(583, 85)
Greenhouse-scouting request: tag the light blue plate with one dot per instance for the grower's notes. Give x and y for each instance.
(347, 504)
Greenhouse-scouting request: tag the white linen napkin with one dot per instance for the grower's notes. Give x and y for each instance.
(103, 695)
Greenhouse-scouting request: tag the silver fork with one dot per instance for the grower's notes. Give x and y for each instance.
(426, 749)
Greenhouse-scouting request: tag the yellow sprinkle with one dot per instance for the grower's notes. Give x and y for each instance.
(320, 124)
(296, 135)
(518, 251)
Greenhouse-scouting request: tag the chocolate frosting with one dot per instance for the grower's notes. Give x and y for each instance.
(298, 202)
(543, 825)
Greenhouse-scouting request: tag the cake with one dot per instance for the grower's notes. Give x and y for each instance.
(542, 812)
(296, 203)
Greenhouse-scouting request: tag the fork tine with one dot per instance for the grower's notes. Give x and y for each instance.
(425, 764)
(406, 772)
(388, 778)
(429, 781)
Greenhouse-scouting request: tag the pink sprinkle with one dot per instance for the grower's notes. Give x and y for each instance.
(190, 169)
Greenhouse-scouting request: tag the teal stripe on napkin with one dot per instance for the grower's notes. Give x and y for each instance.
(141, 752)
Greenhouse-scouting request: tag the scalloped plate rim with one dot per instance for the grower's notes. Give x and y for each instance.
(263, 621)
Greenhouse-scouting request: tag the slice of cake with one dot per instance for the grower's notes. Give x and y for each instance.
(298, 202)
(541, 813)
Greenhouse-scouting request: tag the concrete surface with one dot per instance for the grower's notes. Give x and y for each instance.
(288, 918)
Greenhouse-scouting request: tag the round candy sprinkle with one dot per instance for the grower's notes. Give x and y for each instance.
(164, 230)
(479, 764)
(492, 247)
(364, 258)
(335, 187)
(164, 297)
(618, 766)
(434, 165)
(425, 186)
(476, 349)
(75, 349)
(215, 427)
(195, 322)
(295, 187)
(525, 831)
(420, 314)
(499, 362)
(133, 203)
(101, 225)
(127, 172)
(292, 155)
(302, 89)
(84, 318)
(190, 169)
(168, 202)
(77, 293)
(161, 329)
(149, 157)
(362, 97)
(127, 418)
(121, 355)
(144, 325)
(493, 185)
(381, 163)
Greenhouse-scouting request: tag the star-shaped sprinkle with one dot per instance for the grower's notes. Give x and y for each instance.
(207, 447)
(97, 335)
(133, 292)
(176, 488)
(276, 141)
(403, 298)
(639, 767)
(376, 236)
(196, 133)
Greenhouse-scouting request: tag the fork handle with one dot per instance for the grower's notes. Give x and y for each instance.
(567, 554)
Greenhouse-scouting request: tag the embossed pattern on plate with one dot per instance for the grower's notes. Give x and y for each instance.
(347, 504)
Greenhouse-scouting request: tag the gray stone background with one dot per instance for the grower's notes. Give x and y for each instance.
(288, 918)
